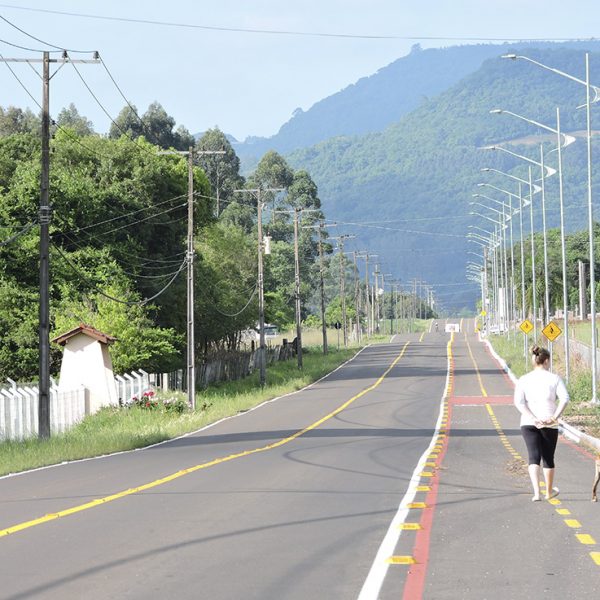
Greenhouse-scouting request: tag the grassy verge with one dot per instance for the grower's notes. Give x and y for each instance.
(579, 412)
(115, 429)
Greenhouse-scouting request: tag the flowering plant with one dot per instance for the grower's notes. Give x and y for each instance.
(147, 401)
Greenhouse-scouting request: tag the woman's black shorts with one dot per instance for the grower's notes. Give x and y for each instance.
(541, 444)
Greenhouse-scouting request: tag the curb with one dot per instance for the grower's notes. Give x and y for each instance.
(572, 433)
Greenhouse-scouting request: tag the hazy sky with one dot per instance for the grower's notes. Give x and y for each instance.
(250, 83)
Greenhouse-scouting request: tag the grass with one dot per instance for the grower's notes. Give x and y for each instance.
(579, 412)
(119, 429)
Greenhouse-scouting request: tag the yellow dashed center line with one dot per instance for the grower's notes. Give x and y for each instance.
(206, 465)
(583, 538)
(483, 391)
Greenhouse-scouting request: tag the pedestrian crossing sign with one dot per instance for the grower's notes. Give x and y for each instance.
(526, 326)
(552, 331)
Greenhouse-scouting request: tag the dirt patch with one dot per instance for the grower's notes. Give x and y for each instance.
(516, 467)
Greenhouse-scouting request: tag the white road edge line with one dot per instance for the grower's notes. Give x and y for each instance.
(68, 462)
(374, 581)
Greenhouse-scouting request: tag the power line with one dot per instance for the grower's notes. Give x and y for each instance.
(78, 229)
(89, 89)
(13, 237)
(294, 33)
(59, 48)
(20, 47)
(119, 300)
(243, 309)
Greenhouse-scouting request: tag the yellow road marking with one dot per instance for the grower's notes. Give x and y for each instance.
(586, 538)
(417, 505)
(426, 474)
(483, 391)
(595, 557)
(574, 523)
(401, 560)
(563, 511)
(423, 488)
(410, 526)
(555, 501)
(206, 465)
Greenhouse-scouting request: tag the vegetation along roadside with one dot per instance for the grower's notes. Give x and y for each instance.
(165, 416)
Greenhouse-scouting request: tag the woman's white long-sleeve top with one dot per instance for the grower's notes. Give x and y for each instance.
(539, 390)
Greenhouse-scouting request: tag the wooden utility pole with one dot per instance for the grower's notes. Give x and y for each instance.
(44, 216)
(297, 291)
(322, 284)
(356, 298)
(262, 352)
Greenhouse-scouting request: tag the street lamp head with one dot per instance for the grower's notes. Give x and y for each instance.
(496, 111)
(486, 169)
(488, 148)
(509, 56)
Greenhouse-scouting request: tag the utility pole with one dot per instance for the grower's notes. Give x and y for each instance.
(45, 215)
(341, 239)
(356, 298)
(191, 154)
(262, 362)
(322, 285)
(297, 291)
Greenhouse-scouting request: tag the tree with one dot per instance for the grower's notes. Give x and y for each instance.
(222, 170)
(155, 125)
(71, 119)
(15, 120)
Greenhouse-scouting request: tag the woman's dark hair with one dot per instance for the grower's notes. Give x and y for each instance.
(540, 355)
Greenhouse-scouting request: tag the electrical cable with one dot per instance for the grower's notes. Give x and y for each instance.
(65, 131)
(78, 271)
(125, 215)
(89, 89)
(59, 48)
(293, 33)
(13, 237)
(131, 107)
(20, 47)
(240, 311)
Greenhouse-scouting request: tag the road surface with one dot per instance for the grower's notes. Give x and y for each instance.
(398, 475)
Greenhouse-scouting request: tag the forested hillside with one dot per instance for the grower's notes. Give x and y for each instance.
(383, 98)
(420, 173)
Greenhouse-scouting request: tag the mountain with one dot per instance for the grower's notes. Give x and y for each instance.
(375, 102)
(405, 191)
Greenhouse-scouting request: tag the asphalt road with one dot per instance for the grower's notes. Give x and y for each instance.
(310, 496)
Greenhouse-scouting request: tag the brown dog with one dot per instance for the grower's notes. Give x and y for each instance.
(596, 480)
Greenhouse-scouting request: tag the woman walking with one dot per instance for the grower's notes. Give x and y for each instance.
(541, 397)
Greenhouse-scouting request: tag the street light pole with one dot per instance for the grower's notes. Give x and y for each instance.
(589, 101)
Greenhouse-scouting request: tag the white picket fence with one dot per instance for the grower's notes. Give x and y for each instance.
(19, 411)
(19, 405)
(132, 384)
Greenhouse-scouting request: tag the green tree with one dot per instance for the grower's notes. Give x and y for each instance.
(71, 119)
(223, 172)
(15, 120)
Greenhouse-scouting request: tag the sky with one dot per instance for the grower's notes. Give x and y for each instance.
(250, 83)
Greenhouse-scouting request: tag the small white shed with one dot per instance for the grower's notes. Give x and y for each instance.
(86, 362)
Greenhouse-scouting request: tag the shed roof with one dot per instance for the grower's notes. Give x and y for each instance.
(104, 338)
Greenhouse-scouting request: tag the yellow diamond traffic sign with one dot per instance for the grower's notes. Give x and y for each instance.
(526, 326)
(552, 331)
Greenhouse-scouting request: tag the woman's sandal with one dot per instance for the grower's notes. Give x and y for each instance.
(536, 499)
(555, 491)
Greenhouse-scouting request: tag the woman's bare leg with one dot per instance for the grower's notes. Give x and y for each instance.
(534, 475)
